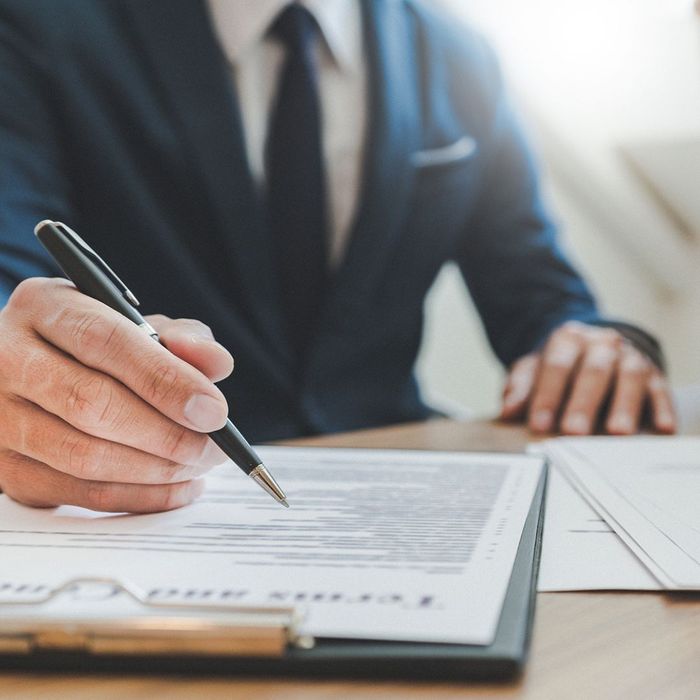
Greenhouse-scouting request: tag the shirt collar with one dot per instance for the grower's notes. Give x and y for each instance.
(242, 24)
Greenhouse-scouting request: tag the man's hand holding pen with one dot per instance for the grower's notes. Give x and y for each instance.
(96, 414)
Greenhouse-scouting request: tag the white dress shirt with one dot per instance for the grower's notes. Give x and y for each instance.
(256, 61)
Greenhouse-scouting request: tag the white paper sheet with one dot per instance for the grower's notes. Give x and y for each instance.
(648, 491)
(580, 551)
(377, 544)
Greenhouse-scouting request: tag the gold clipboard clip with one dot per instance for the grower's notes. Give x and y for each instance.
(105, 616)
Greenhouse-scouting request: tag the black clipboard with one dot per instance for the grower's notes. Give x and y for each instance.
(502, 660)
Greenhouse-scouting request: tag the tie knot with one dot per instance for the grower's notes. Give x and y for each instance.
(295, 26)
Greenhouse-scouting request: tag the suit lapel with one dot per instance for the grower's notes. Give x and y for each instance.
(197, 83)
(393, 134)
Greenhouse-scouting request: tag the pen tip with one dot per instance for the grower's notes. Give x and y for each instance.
(284, 503)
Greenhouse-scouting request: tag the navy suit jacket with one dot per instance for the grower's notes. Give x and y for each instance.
(119, 117)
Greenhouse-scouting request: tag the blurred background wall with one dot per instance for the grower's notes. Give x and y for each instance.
(609, 91)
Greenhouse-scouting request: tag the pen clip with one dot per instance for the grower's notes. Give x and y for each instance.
(84, 248)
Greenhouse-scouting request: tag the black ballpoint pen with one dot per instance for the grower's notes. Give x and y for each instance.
(93, 277)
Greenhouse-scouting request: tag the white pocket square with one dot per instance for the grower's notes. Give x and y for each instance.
(459, 150)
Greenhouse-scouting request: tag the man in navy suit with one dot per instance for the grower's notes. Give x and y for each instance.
(292, 176)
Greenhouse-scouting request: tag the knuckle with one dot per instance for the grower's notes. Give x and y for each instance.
(25, 293)
(192, 326)
(89, 401)
(610, 336)
(162, 384)
(572, 328)
(100, 496)
(158, 319)
(82, 455)
(561, 352)
(555, 337)
(600, 358)
(182, 445)
(168, 497)
(566, 342)
(95, 335)
(635, 365)
(171, 472)
(194, 323)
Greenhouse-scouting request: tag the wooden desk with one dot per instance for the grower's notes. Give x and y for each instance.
(585, 645)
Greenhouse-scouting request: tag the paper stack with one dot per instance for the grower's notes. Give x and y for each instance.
(647, 490)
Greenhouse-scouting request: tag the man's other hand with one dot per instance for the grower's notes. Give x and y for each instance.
(587, 377)
(94, 413)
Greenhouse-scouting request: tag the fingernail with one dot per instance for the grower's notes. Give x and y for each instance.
(666, 420)
(208, 341)
(201, 331)
(205, 413)
(622, 423)
(212, 455)
(577, 423)
(542, 419)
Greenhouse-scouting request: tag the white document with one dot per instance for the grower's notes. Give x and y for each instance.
(580, 551)
(648, 491)
(382, 544)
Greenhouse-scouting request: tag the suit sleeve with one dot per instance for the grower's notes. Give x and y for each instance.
(31, 183)
(519, 277)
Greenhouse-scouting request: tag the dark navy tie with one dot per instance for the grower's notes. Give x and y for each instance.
(296, 196)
